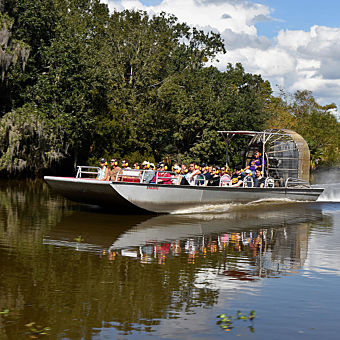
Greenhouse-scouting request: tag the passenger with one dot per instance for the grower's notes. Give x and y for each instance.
(193, 172)
(255, 163)
(215, 178)
(101, 172)
(224, 171)
(136, 166)
(177, 170)
(248, 182)
(247, 172)
(115, 169)
(225, 177)
(200, 178)
(182, 180)
(176, 167)
(237, 177)
(184, 168)
(125, 164)
(149, 174)
(163, 176)
(107, 172)
(153, 167)
(145, 165)
(259, 179)
(206, 173)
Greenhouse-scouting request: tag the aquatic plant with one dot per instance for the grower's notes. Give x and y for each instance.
(35, 330)
(5, 312)
(226, 321)
(78, 239)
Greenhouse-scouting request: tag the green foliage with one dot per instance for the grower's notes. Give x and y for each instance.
(212, 101)
(316, 124)
(29, 140)
(35, 331)
(4, 312)
(227, 322)
(11, 50)
(78, 239)
(99, 79)
(130, 85)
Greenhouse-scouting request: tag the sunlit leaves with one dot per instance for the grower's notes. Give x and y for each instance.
(316, 124)
(228, 322)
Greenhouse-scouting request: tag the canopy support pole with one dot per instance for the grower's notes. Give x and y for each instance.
(263, 149)
(227, 139)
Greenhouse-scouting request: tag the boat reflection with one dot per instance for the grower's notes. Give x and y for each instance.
(245, 244)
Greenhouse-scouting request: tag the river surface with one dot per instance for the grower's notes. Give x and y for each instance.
(78, 272)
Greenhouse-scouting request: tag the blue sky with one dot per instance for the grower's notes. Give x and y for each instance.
(299, 15)
(292, 14)
(295, 44)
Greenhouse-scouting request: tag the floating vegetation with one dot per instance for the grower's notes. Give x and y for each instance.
(5, 312)
(226, 322)
(78, 239)
(36, 331)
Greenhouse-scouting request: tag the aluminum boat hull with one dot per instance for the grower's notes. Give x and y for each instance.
(137, 197)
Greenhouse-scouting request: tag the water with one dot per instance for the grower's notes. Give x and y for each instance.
(86, 274)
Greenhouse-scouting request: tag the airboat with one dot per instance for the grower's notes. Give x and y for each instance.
(285, 164)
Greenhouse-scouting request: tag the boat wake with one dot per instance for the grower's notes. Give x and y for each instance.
(331, 192)
(229, 207)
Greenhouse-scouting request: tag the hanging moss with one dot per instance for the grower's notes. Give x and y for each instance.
(29, 142)
(10, 50)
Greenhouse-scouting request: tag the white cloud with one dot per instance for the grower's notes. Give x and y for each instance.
(294, 59)
(201, 13)
(260, 18)
(291, 40)
(235, 41)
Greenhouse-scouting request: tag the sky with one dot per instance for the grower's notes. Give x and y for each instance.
(295, 44)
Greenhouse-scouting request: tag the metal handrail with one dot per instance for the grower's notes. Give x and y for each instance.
(171, 178)
(94, 170)
(132, 173)
(80, 170)
(140, 173)
(248, 182)
(296, 182)
(269, 182)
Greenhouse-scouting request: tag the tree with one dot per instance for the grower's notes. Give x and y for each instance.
(65, 88)
(314, 122)
(11, 51)
(121, 84)
(145, 58)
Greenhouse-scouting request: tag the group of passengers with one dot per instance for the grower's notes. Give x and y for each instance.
(109, 170)
(194, 174)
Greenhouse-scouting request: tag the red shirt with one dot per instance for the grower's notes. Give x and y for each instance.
(163, 178)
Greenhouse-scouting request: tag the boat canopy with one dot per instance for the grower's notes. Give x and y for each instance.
(285, 152)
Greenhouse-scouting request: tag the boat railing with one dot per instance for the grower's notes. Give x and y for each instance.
(145, 176)
(88, 170)
(171, 178)
(248, 182)
(269, 182)
(296, 182)
(155, 177)
(128, 175)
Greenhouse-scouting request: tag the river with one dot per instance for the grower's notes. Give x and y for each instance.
(78, 272)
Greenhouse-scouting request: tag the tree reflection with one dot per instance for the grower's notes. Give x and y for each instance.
(78, 293)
